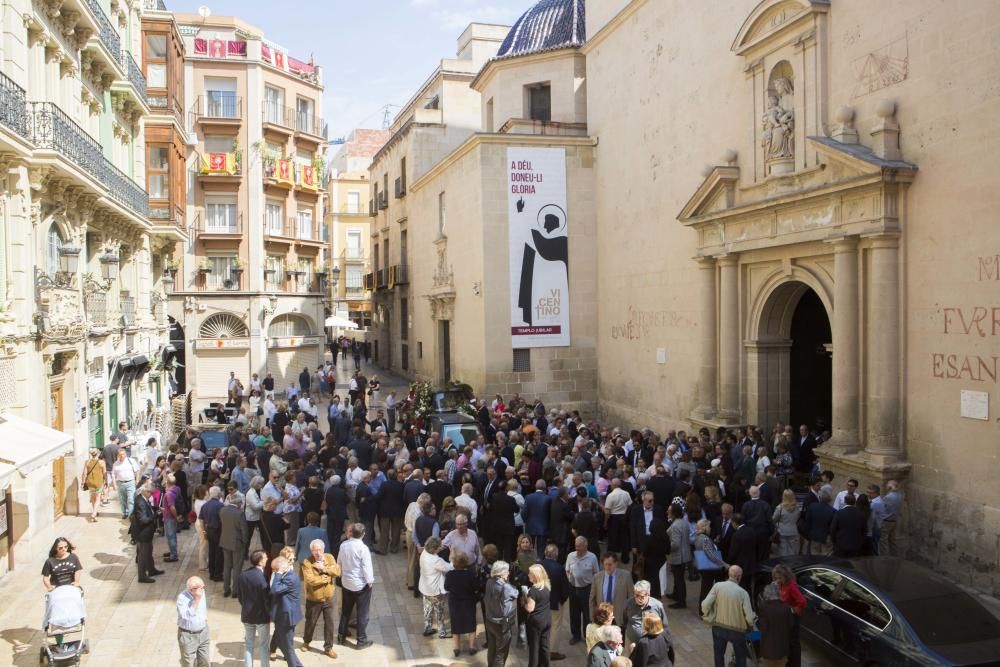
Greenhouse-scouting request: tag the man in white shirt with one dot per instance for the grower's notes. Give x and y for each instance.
(852, 489)
(357, 576)
(615, 508)
(466, 500)
(292, 393)
(304, 402)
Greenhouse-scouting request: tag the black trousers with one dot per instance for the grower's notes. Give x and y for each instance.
(214, 553)
(679, 573)
(579, 610)
(708, 579)
(498, 636)
(144, 558)
(363, 600)
(538, 643)
(313, 611)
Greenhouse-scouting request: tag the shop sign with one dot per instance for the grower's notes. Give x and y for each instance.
(222, 344)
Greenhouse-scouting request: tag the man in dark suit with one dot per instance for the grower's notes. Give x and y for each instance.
(757, 515)
(234, 539)
(413, 487)
(286, 607)
(536, 516)
(143, 529)
(818, 518)
(391, 509)
(379, 420)
(586, 524)
(848, 529)
(723, 528)
(502, 510)
(209, 516)
(255, 605)
(743, 552)
(342, 429)
(640, 517)
(805, 444)
(662, 486)
(558, 596)
(362, 449)
(439, 489)
(435, 461)
(336, 513)
(366, 507)
(560, 520)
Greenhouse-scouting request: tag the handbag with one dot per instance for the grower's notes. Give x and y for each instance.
(776, 536)
(703, 562)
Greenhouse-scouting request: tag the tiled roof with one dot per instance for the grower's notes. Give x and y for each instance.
(550, 24)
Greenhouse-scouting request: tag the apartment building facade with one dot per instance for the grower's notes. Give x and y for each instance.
(350, 228)
(250, 280)
(82, 320)
(442, 114)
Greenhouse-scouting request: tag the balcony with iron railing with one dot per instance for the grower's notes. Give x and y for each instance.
(106, 32)
(50, 128)
(221, 228)
(398, 275)
(382, 279)
(135, 76)
(218, 107)
(226, 166)
(128, 311)
(96, 306)
(353, 253)
(229, 281)
(13, 107)
(369, 281)
(277, 117)
(310, 127)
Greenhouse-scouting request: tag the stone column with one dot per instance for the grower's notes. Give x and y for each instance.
(729, 338)
(846, 434)
(708, 399)
(883, 443)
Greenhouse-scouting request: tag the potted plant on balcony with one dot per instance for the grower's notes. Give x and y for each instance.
(237, 268)
(205, 267)
(170, 267)
(237, 156)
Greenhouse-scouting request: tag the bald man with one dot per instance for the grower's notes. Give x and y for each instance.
(192, 624)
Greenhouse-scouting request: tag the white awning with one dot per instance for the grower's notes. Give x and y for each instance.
(28, 446)
(340, 323)
(7, 475)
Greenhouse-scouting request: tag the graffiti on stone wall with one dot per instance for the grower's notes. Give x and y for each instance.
(641, 324)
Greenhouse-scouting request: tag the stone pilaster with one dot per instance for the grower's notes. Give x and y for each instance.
(708, 397)
(883, 437)
(846, 431)
(729, 339)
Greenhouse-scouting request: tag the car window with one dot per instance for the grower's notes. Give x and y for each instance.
(461, 434)
(449, 399)
(820, 581)
(857, 600)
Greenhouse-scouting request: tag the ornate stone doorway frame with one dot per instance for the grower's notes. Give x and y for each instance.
(833, 228)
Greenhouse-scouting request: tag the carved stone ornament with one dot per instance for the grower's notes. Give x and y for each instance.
(443, 276)
(52, 8)
(778, 122)
(191, 304)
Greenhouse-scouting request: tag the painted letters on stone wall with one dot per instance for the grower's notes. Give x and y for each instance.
(972, 322)
(539, 247)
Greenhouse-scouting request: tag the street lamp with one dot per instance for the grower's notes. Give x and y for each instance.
(109, 265)
(69, 259)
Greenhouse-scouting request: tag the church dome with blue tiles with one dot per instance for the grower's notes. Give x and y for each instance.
(548, 25)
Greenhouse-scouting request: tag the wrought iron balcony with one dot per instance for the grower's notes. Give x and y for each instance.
(398, 275)
(128, 311)
(108, 34)
(50, 128)
(96, 305)
(156, 5)
(308, 123)
(13, 109)
(135, 76)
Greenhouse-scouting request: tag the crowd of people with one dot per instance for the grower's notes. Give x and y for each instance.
(544, 515)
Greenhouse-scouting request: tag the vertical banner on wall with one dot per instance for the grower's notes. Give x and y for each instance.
(539, 247)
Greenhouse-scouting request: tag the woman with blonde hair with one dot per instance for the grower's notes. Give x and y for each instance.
(786, 517)
(604, 615)
(535, 599)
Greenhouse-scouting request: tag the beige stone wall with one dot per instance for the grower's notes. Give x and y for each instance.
(474, 181)
(665, 101)
(503, 82)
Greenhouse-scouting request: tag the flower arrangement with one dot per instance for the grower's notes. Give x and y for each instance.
(97, 405)
(417, 407)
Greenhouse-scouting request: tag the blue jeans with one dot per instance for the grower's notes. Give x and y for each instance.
(126, 496)
(255, 639)
(721, 637)
(170, 532)
(286, 642)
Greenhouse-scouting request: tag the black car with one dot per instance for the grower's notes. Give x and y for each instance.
(461, 428)
(451, 398)
(888, 611)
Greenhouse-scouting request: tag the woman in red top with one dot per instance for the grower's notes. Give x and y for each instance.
(791, 596)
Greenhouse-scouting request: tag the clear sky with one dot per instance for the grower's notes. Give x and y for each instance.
(373, 53)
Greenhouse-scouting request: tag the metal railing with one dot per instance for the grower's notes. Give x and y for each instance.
(233, 282)
(135, 76)
(277, 114)
(353, 253)
(50, 128)
(96, 305)
(399, 274)
(381, 278)
(109, 36)
(219, 104)
(310, 124)
(157, 5)
(219, 227)
(13, 108)
(128, 311)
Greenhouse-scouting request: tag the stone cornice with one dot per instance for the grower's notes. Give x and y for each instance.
(481, 138)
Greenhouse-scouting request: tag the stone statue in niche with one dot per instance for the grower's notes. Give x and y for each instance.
(778, 125)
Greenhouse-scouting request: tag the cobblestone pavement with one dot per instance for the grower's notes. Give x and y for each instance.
(130, 623)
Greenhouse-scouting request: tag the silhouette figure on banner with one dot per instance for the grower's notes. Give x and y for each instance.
(544, 261)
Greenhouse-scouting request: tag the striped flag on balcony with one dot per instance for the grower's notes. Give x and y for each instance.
(219, 163)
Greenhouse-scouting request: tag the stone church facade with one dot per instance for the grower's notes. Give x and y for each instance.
(835, 260)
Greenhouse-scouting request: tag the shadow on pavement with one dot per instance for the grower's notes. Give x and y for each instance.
(20, 640)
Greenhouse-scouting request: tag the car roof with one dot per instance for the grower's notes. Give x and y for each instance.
(454, 418)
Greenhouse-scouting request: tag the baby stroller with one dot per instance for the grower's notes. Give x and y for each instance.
(64, 615)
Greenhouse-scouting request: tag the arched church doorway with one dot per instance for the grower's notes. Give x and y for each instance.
(789, 361)
(810, 365)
